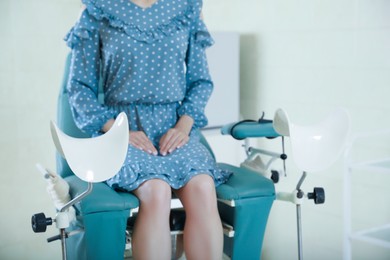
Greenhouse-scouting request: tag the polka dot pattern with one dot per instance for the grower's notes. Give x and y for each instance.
(151, 64)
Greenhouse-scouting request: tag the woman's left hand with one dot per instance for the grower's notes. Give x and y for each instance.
(176, 137)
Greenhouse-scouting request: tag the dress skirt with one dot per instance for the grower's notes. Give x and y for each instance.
(175, 168)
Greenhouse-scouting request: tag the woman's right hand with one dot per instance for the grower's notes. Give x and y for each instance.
(139, 140)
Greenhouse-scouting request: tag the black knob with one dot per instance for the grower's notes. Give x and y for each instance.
(283, 156)
(275, 176)
(318, 195)
(39, 222)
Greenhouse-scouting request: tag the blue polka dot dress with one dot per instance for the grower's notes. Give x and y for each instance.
(151, 64)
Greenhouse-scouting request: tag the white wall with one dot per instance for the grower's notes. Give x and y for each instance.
(32, 56)
(307, 56)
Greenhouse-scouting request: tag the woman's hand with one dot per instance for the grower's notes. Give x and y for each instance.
(176, 137)
(139, 140)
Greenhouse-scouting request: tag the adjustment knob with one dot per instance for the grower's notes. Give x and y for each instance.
(275, 176)
(318, 195)
(39, 222)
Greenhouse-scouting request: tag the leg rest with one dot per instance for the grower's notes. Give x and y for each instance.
(103, 237)
(251, 197)
(249, 219)
(103, 217)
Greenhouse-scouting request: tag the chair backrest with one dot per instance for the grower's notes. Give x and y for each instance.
(66, 122)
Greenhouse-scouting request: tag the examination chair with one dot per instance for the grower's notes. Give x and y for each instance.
(244, 204)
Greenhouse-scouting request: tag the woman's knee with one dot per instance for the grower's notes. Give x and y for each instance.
(202, 184)
(154, 193)
(199, 191)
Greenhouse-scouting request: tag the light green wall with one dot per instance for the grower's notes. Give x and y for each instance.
(309, 57)
(32, 56)
(306, 56)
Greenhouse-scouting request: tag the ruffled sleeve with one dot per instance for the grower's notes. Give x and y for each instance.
(83, 84)
(199, 83)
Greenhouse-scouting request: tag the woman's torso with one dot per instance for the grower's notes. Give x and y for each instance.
(143, 51)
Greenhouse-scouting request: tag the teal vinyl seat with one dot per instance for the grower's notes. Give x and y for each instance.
(244, 204)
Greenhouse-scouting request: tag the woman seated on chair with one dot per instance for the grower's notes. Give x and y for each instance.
(149, 55)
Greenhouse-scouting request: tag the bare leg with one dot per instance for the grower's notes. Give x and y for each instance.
(203, 237)
(151, 237)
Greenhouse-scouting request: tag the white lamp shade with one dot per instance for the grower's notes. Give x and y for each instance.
(95, 159)
(315, 147)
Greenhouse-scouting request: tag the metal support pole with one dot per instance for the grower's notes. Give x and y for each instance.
(63, 209)
(300, 195)
(347, 245)
(174, 246)
(63, 243)
(78, 198)
(299, 232)
(298, 188)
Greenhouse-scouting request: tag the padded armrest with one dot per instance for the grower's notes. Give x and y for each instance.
(101, 199)
(249, 129)
(244, 184)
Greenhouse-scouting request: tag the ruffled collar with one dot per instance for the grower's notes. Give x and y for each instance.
(157, 2)
(114, 11)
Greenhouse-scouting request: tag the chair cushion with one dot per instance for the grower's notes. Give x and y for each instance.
(242, 130)
(102, 197)
(244, 184)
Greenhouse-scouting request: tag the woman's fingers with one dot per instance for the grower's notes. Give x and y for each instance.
(139, 140)
(169, 142)
(166, 142)
(172, 140)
